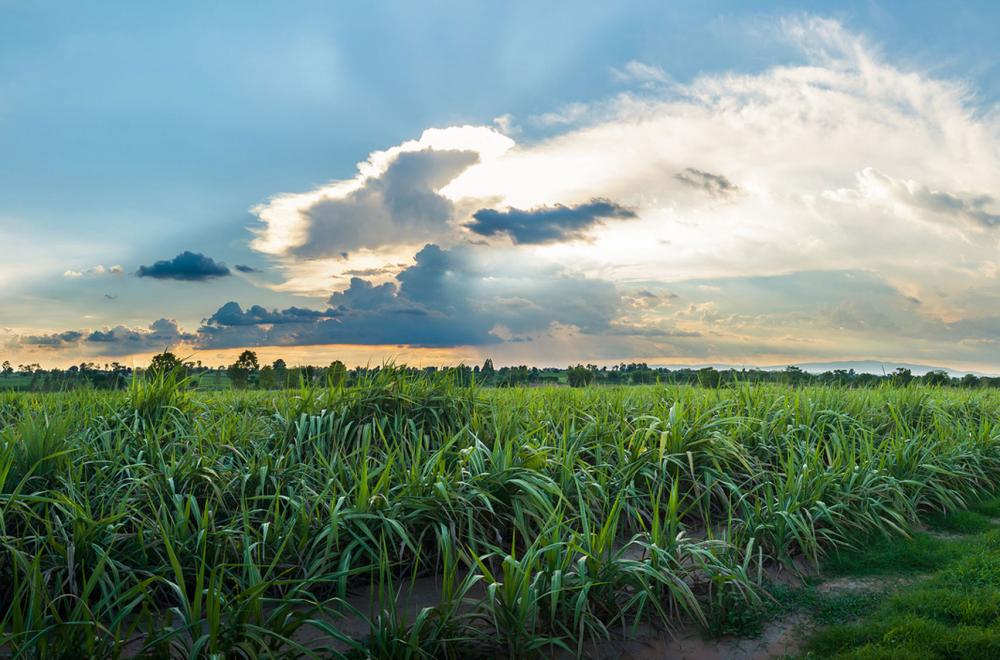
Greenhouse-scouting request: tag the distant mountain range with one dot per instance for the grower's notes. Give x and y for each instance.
(861, 366)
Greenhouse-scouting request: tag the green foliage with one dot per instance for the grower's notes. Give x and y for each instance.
(579, 376)
(164, 362)
(167, 520)
(245, 367)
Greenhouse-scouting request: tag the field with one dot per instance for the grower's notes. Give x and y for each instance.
(408, 517)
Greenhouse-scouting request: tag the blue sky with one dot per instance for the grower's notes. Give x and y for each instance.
(133, 132)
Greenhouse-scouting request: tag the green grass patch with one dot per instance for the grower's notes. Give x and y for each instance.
(829, 607)
(989, 507)
(959, 522)
(921, 553)
(954, 613)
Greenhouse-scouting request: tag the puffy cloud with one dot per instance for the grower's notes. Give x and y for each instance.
(362, 294)
(186, 266)
(393, 200)
(53, 340)
(547, 224)
(400, 206)
(121, 340)
(449, 297)
(231, 314)
(116, 341)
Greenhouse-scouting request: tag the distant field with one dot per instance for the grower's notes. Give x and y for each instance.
(515, 522)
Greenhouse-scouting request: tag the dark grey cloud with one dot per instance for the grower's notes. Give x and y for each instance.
(119, 340)
(54, 340)
(449, 297)
(400, 206)
(716, 185)
(547, 224)
(246, 269)
(362, 294)
(231, 314)
(186, 266)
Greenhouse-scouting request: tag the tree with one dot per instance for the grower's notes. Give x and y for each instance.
(902, 376)
(579, 376)
(936, 377)
(248, 361)
(709, 377)
(246, 365)
(970, 380)
(266, 378)
(336, 373)
(794, 375)
(164, 363)
(6, 369)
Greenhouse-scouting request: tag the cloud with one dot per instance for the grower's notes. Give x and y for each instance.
(186, 266)
(875, 189)
(121, 340)
(547, 224)
(449, 297)
(641, 73)
(246, 269)
(231, 314)
(95, 270)
(115, 341)
(399, 207)
(714, 184)
(53, 340)
(569, 114)
(362, 294)
(393, 200)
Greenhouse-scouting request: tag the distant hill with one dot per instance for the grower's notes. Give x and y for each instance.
(860, 366)
(875, 367)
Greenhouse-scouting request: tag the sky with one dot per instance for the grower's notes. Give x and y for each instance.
(540, 183)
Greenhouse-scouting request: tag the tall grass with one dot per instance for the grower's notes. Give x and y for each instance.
(239, 524)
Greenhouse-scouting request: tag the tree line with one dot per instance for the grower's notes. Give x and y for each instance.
(248, 372)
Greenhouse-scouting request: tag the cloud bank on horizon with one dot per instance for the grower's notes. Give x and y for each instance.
(836, 207)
